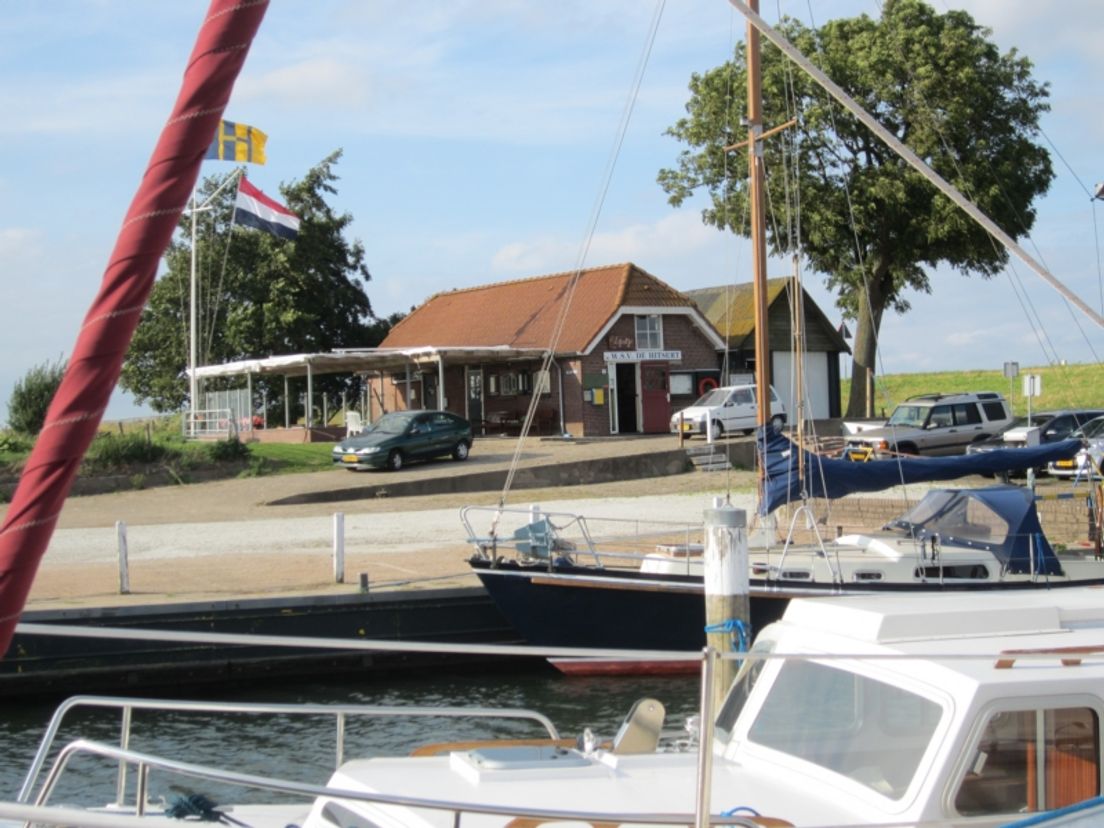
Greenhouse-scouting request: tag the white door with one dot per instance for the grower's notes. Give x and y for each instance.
(816, 384)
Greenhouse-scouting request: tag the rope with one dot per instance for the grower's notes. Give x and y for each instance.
(197, 807)
(615, 151)
(732, 625)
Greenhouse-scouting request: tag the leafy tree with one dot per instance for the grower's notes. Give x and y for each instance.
(871, 224)
(259, 295)
(32, 395)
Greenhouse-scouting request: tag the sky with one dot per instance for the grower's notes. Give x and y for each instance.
(477, 135)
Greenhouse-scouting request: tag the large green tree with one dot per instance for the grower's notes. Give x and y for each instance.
(259, 295)
(872, 225)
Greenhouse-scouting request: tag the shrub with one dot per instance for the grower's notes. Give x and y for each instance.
(12, 442)
(115, 451)
(31, 397)
(227, 451)
(258, 467)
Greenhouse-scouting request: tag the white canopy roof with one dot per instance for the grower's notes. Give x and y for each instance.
(356, 360)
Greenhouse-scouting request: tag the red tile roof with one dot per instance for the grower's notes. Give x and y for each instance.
(524, 313)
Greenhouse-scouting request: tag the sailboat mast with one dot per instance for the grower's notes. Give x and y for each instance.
(758, 220)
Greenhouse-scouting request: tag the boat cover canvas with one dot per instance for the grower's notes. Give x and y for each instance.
(831, 477)
(1000, 519)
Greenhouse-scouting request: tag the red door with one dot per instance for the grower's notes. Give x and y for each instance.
(654, 398)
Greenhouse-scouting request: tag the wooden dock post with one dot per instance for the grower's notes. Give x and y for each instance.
(727, 585)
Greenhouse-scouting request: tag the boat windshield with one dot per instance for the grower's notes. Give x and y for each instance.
(953, 514)
(912, 416)
(741, 687)
(870, 731)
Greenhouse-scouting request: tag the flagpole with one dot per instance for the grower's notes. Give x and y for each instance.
(193, 333)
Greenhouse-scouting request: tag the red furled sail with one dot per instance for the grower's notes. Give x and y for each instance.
(75, 413)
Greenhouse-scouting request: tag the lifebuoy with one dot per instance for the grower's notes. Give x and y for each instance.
(705, 385)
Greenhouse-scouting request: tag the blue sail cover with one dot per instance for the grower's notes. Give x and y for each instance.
(831, 478)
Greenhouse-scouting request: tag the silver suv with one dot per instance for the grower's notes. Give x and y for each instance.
(934, 424)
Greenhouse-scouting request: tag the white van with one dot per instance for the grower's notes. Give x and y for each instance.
(732, 408)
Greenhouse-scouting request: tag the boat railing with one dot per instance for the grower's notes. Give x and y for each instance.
(143, 764)
(341, 714)
(535, 534)
(817, 548)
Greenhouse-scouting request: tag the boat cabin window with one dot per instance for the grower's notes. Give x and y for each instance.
(1033, 760)
(873, 732)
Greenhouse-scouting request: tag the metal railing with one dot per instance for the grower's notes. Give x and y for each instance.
(209, 422)
(340, 714)
(40, 813)
(535, 534)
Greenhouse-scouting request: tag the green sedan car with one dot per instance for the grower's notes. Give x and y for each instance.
(401, 436)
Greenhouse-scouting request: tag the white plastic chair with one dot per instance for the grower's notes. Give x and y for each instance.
(353, 424)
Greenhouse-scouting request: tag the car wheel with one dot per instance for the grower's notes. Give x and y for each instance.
(778, 422)
(907, 448)
(395, 460)
(460, 451)
(718, 429)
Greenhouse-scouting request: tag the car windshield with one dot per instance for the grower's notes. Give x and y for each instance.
(1092, 429)
(1036, 420)
(909, 415)
(394, 423)
(714, 398)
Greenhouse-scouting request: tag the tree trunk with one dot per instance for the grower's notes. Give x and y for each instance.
(871, 307)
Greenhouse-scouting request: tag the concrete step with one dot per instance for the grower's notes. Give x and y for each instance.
(711, 459)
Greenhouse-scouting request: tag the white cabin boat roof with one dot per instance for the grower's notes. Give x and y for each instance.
(1018, 623)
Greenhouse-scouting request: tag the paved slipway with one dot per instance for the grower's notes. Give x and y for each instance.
(230, 539)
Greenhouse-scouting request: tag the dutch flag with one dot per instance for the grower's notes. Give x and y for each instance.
(252, 208)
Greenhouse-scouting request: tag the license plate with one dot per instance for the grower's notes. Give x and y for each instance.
(859, 455)
(1064, 464)
(349, 458)
(687, 426)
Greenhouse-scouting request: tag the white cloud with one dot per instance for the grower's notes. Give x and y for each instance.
(678, 235)
(19, 245)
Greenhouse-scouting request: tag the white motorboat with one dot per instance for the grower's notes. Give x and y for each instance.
(862, 710)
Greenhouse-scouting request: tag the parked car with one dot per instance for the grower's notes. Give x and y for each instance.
(401, 436)
(934, 424)
(1086, 462)
(1052, 425)
(732, 408)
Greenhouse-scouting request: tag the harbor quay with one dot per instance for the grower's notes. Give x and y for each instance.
(259, 556)
(372, 555)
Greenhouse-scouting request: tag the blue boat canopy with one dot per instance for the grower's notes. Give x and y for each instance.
(831, 478)
(1000, 519)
